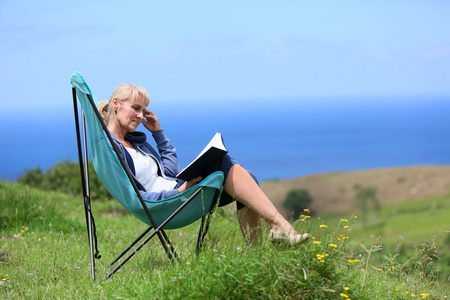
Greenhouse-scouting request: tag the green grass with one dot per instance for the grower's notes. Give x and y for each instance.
(45, 255)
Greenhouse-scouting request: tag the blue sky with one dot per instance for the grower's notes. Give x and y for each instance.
(223, 51)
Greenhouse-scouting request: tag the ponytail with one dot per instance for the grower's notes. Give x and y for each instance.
(105, 110)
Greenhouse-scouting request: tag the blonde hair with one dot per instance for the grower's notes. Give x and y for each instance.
(124, 93)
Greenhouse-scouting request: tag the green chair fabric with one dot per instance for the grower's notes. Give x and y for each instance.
(116, 181)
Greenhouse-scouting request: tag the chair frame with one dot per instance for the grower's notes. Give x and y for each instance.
(158, 230)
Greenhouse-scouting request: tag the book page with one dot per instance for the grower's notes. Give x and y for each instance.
(213, 151)
(215, 142)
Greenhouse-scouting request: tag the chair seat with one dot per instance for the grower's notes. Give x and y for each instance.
(196, 209)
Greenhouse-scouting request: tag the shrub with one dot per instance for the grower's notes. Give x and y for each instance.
(65, 177)
(296, 201)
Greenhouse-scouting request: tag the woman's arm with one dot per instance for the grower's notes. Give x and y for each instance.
(168, 154)
(153, 196)
(166, 150)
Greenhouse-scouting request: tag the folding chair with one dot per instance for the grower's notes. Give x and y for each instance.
(196, 203)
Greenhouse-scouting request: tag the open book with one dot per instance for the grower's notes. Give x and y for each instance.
(205, 160)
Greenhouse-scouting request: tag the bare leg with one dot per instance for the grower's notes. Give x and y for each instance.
(250, 224)
(240, 185)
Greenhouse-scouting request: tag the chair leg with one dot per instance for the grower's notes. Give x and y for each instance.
(90, 237)
(130, 246)
(204, 226)
(126, 259)
(172, 249)
(201, 237)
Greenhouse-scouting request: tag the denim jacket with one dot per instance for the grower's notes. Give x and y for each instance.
(167, 160)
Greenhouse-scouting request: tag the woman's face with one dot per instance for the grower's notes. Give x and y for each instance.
(129, 114)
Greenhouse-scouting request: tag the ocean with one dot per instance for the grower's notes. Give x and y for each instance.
(275, 139)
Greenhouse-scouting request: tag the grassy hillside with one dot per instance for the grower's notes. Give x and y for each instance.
(44, 254)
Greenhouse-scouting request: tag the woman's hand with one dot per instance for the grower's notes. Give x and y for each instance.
(188, 184)
(151, 121)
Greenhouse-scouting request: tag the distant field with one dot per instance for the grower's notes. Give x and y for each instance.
(334, 192)
(425, 221)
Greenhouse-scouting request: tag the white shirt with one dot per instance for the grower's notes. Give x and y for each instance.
(146, 168)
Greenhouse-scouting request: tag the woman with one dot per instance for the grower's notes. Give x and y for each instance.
(154, 172)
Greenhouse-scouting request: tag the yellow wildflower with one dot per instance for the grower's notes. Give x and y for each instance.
(343, 295)
(320, 257)
(316, 242)
(424, 295)
(346, 226)
(323, 226)
(332, 245)
(344, 220)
